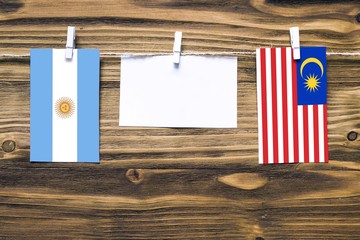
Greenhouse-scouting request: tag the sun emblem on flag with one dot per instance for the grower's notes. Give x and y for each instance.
(312, 82)
(64, 107)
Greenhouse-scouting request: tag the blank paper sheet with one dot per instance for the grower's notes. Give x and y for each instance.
(200, 92)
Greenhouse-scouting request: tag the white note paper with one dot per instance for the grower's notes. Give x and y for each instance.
(200, 92)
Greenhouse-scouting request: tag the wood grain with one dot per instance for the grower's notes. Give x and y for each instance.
(166, 183)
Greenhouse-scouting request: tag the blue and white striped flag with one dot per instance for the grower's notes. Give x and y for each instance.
(64, 106)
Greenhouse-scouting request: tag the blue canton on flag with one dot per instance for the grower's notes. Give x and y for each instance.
(311, 76)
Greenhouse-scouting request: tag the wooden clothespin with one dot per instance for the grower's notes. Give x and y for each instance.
(295, 42)
(70, 43)
(177, 47)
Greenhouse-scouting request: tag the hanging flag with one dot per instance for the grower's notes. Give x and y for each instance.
(64, 106)
(292, 110)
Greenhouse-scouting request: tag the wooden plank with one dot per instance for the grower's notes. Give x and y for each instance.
(179, 183)
(180, 204)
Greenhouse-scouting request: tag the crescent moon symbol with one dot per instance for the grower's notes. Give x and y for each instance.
(311, 60)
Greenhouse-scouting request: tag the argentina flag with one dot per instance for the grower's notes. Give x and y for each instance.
(64, 106)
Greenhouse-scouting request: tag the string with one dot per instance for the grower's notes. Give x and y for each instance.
(129, 54)
(182, 53)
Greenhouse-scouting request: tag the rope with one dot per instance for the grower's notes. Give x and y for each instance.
(127, 54)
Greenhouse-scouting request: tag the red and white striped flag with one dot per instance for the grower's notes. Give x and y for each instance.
(292, 110)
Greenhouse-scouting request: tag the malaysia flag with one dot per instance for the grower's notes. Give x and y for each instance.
(292, 107)
(64, 106)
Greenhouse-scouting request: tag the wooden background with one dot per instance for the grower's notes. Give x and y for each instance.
(179, 183)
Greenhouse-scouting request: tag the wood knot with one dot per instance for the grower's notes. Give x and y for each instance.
(358, 18)
(245, 181)
(352, 136)
(135, 176)
(8, 146)
(259, 238)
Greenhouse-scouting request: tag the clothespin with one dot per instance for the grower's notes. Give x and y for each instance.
(295, 42)
(70, 42)
(177, 47)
